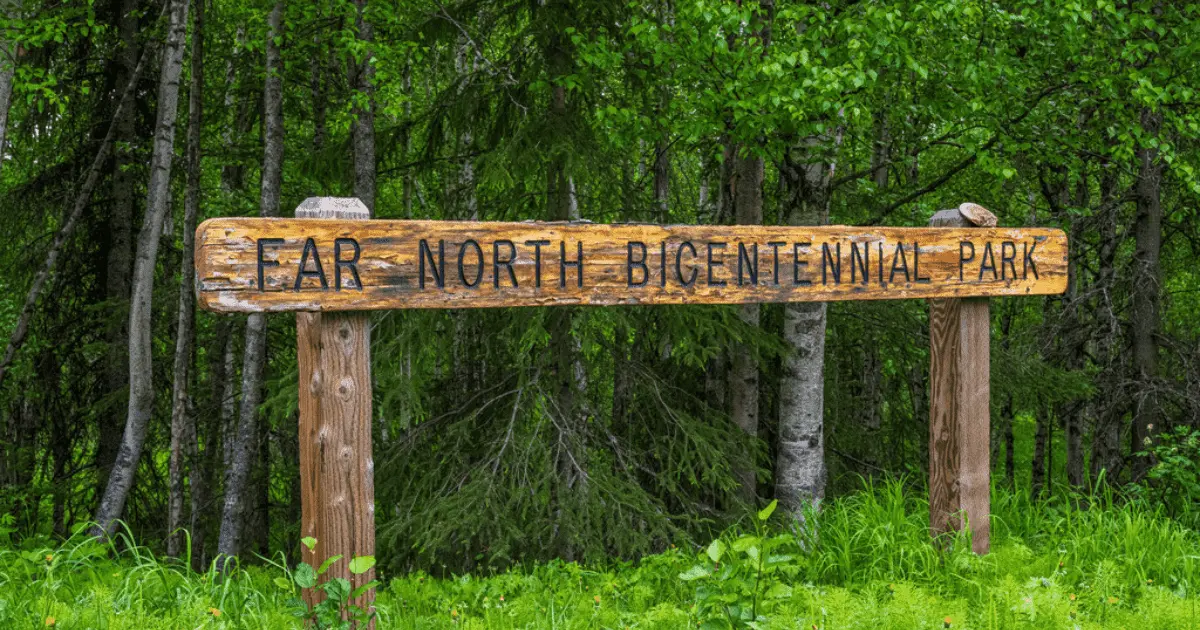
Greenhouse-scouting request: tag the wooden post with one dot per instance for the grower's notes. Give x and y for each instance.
(959, 403)
(337, 490)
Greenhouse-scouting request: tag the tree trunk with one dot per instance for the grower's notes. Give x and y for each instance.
(233, 173)
(567, 368)
(743, 372)
(364, 115)
(1147, 286)
(120, 255)
(49, 375)
(1007, 414)
(1106, 437)
(662, 181)
(406, 141)
(881, 154)
(141, 387)
(183, 429)
(227, 381)
(800, 466)
(1039, 478)
(259, 519)
(871, 412)
(233, 518)
(8, 67)
(317, 87)
(1072, 412)
(219, 418)
(1010, 444)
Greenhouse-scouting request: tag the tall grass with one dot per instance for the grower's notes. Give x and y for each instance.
(866, 561)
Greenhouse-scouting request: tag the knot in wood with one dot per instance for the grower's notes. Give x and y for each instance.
(314, 384)
(346, 388)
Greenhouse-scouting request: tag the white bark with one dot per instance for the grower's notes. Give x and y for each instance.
(141, 386)
(743, 368)
(236, 481)
(800, 462)
(7, 69)
(183, 429)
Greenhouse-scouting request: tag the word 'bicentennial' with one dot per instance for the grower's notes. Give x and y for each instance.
(320, 264)
(685, 263)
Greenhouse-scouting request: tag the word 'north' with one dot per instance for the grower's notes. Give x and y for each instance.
(434, 265)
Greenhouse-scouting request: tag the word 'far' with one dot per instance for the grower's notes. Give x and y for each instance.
(269, 264)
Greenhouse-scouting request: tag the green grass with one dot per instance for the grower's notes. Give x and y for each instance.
(1112, 565)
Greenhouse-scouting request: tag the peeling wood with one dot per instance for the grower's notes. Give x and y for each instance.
(384, 264)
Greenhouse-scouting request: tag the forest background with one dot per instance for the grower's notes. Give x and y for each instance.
(519, 435)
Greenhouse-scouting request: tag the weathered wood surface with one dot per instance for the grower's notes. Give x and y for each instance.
(337, 491)
(331, 265)
(959, 408)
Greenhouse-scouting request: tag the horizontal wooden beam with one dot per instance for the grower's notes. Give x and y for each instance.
(278, 264)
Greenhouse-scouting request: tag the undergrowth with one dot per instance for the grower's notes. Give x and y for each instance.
(864, 562)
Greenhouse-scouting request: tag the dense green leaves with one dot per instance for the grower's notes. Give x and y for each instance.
(507, 437)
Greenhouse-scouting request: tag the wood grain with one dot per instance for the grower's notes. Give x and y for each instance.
(960, 413)
(473, 264)
(336, 465)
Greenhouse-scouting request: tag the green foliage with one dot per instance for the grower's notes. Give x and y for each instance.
(1034, 109)
(336, 611)
(743, 591)
(867, 564)
(1174, 480)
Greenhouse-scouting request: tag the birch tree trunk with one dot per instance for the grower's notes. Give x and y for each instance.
(141, 386)
(233, 518)
(743, 372)
(8, 67)
(800, 462)
(746, 190)
(183, 429)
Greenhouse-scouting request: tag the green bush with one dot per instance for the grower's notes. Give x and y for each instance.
(864, 562)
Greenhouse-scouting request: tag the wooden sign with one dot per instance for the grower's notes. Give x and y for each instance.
(275, 264)
(333, 258)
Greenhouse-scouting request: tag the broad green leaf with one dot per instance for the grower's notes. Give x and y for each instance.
(694, 573)
(328, 563)
(338, 589)
(304, 576)
(715, 550)
(361, 564)
(745, 542)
